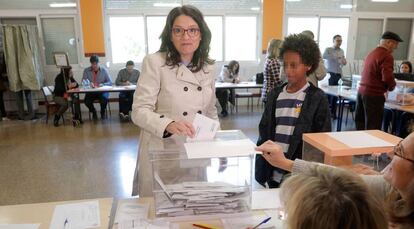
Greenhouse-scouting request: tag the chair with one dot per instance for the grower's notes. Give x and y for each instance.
(108, 108)
(249, 95)
(51, 107)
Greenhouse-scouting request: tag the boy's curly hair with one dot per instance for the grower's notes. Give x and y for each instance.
(307, 49)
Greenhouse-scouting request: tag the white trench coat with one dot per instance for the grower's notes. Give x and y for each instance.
(165, 94)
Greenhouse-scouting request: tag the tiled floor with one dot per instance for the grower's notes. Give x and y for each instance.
(42, 163)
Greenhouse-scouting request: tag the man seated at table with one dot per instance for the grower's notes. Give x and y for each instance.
(98, 76)
(126, 76)
(230, 74)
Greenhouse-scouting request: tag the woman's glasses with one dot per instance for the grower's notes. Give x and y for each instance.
(191, 32)
(399, 152)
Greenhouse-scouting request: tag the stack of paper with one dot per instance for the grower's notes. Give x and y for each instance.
(195, 198)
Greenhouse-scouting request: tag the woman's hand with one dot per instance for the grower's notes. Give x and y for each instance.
(273, 153)
(182, 128)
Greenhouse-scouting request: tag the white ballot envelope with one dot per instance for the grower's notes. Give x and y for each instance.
(205, 128)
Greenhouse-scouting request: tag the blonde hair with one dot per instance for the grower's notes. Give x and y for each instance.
(330, 198)
(273, 48)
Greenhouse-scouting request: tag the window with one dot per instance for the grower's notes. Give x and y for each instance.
(299, 24)
(59, 36)
(133, 37)
(401, 26)
(329, 27)
(155, 25)
(368, 36)
(240, 38)
(127, 39)
(215, 23)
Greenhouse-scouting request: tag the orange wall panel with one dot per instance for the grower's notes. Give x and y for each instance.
(273, 11)
(92, 27)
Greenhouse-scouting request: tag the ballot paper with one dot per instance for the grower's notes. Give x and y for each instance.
(266, 199)
(205, 128)
(76, 215)
(210, 149)
(245, 222)
(130, 210)
(200, 198)
(359, 139)
(19, 226)
(143, 224)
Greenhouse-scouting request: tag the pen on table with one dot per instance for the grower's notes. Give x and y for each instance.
(263, 222)
(66, 222)
(204, 226)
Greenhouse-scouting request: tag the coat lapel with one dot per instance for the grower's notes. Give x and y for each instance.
(184, 74)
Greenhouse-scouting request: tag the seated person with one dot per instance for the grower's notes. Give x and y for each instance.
(393, 188)
(126, 76)
(406, 67)
(98, 76)
(327, 198)
(64, 81)
(403, 117)
(229, 73)
(294, 108)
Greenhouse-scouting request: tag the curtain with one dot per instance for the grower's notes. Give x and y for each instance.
(21, 49)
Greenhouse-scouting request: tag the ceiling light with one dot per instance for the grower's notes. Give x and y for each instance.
(293, 0)
(60, 5)
(161, 4)
(384, 0)
(255, 8)
(346, 6)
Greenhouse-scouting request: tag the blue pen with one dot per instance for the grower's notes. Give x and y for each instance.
(263, 222)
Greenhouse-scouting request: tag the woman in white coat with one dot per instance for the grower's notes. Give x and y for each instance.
(175, 83)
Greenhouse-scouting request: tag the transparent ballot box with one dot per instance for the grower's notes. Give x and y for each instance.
(214, 185)
(403, 94)
(349, 148)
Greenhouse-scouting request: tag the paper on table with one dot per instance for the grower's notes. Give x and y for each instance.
(359, 139)
(131, 210)
(205, 128)
(19, 226)
(105, 87)
(76, 215)
(245, 222)
(266, 199)
(143, 224)
(231, 148)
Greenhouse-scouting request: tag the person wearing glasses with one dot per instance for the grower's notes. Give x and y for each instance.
(175, 84)
(394, 188)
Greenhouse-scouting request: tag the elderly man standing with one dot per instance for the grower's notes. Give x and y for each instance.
(377, 78)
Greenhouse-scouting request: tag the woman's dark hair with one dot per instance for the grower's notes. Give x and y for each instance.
(66, 71)
(231, 65)
(200, 57)
(408, 63)
(306, 47)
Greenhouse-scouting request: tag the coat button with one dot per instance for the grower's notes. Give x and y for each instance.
(161, 116)
(199, 112)
(185, 88)
(185, 113)
(199, 88)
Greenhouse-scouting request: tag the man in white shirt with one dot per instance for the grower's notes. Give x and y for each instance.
(335, 60)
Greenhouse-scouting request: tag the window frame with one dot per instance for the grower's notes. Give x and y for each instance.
(164, 12)
(79, 45)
